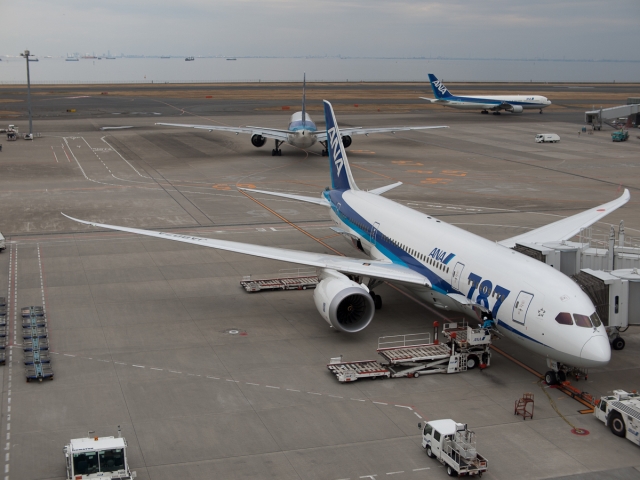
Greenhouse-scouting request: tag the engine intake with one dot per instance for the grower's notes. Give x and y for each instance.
(516, 109)
(258, 140)
(346, 141)
(344, 304)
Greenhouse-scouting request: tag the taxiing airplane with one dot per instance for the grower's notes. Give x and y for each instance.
(495, 103)
(530, 302)
(301, 133)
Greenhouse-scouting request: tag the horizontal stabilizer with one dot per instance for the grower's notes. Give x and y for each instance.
(381, 190)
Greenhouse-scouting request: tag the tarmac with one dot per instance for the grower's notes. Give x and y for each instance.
(208, 381)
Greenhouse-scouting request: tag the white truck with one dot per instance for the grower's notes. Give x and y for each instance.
(547, 138)
(621, 412)
(453, 445)
(3, 242)
(94, 457)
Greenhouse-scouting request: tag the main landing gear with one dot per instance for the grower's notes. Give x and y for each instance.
(377, 299)
(484, 112)
(276, 151)
(324, 150)
(540, 111)
(496, 113)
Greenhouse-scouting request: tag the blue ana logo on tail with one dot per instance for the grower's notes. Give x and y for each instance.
(334, 144)
(439, 90)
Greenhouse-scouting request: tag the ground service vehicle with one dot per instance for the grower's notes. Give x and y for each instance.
(3, 242)
(98, 457)
(621, 412)
(454, 445)
(620, 136)
(547, 138)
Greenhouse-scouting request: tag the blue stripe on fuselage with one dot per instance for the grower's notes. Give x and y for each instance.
(487, 101)
(519, 333)
(393, 252)
(298, 125)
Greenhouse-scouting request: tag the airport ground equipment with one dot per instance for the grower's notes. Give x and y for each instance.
(453, 445)
(287, 279)
(39, 371)
(35, 344)
(414, 355)
(524, 406)
(621, 413)
(547, 138)
(620, 136)
(97, 457)
(610, 115)
(36, 357)
(3, 242)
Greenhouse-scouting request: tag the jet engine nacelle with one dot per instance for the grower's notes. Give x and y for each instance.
(516, 109)
(344, 304)
(346, 141)
(258, 140)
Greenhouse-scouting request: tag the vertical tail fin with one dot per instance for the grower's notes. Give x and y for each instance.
(341, 178)
(304, 99)
(439, 90)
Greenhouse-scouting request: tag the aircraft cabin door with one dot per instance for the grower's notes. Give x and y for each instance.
(521, 306)
(455, 276)
(374, 232)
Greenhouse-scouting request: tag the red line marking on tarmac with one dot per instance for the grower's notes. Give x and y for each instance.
(65, 152)
(54, 154)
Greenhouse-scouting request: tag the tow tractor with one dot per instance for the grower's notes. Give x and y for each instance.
(453, 445)
(413, 355)
(98, 457)
(621, 413)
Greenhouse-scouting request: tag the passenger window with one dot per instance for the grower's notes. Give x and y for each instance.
(582, 320)
(595, 319)
(436, 435)
(564, 318)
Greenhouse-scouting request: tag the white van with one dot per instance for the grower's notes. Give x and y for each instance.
(3, 243)
(547, 137)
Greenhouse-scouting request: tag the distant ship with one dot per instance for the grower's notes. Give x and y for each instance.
(110, 58)
(34, 59)
(89, 57)
(72, 59)
(167, 57)
(189, 59)
(231, 58)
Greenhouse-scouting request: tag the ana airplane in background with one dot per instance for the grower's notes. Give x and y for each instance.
(452, 269)
(495, 103)
(301, 133)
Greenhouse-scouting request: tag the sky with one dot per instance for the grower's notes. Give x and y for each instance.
(526, 29)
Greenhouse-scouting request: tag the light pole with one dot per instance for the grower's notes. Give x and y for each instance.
(26, 55)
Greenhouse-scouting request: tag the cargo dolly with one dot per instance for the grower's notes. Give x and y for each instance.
(34, 332)
(414, 355)
(3, 342)
(33, 344)
(33, 321)
(32, 310)
(39, 371)
(36, 356)
(285, 280)
(4, 330)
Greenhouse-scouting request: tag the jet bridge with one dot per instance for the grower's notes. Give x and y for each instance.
(610, 115)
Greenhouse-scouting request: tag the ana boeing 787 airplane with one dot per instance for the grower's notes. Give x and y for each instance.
(530, 302)
(495, 103)
(302, 132)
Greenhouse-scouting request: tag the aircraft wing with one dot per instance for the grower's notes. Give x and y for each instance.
(322, 136)
(265, 132)
(356, 266)
(568, 227)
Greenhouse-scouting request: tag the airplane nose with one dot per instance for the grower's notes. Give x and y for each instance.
(596, 352)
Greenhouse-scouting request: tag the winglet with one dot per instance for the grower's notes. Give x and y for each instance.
(341, 177)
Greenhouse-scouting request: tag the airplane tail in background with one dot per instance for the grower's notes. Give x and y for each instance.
(439, 90)
(304, 100)
(341, 178)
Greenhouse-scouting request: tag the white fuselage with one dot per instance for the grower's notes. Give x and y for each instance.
(304, 133)
(524, 295)
(527, 102)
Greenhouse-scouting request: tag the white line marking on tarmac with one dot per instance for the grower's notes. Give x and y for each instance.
(137, 366)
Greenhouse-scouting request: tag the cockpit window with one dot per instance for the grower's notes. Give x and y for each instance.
(595, 319)
(582, 320)
(564, 318)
